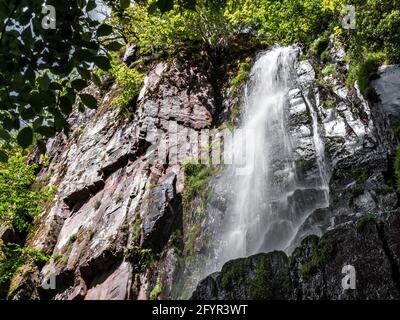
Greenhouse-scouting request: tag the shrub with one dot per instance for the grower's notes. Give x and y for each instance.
(325, 56)
(329, 104)
(329, 70)
(242, 75)
(20, 201)
(156, 290)
(196, 179)
(365, 71)
(130, 82)
(12, 257)
(320, 45)
(322, 253)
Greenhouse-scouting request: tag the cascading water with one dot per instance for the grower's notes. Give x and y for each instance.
(269, 202)
(252, 224)
(264, 214)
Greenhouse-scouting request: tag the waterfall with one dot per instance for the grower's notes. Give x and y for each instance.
(269, 201)
(265, 214)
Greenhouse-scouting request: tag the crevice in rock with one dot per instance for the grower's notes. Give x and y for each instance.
(77, 199)
(99, 265)
(389, 254)
(64, 280)
(100, 277)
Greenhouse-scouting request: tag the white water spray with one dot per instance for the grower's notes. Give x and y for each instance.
(265, 214)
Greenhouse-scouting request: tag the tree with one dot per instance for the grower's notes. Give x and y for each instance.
(44, 70)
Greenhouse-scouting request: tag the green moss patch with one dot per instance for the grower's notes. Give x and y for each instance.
(322, 253)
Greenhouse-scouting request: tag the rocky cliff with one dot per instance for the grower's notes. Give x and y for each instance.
(122, 225)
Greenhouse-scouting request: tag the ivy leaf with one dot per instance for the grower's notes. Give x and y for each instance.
(79, 84)
(25, 137)
(91, 5)
(102, 62)
(114, 46)
(88, 100)
(48, 132)
(96, 80)
(104, 30)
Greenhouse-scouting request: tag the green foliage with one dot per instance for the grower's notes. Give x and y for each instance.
(242, 75)
(156, 290)
(130, 82)
(329, 70)
(72, 238)
(153, 30)
(257, 278)
(20, 202)
(43, 70)
(97, 204)
(321, 254)
(329, 104)
(325, 56)
(145, 258)
(365, 71)
(194, 233)
(304, 165)
(196, 179)
(320, 45)
(362, 222)
(13, 256)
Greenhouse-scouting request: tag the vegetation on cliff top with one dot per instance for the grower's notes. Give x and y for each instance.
(47, 69)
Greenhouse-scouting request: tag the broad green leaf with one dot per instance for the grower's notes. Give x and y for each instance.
(91, 5)
(96, 80)
(66, 105)
(25, 137)
(84, 73)
(79, 84)
(102, 62)
(114, 46)
(104, 30)
(88, 100)
(28, 113)
(42, 146)
(46, 131)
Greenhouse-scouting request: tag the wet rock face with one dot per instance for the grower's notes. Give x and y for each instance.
(260, 277)
(117, 218)
(387, 88)
(315, 269)
(115, 200)
(164, 212)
